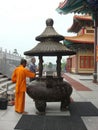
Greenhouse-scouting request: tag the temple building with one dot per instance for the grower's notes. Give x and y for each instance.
(83, 44)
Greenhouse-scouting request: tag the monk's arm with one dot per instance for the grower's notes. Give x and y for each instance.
(29, 73)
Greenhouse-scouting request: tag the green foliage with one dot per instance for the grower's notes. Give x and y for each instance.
(63, 64)
(50, 65)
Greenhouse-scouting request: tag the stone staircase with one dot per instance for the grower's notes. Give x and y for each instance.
(7, 87)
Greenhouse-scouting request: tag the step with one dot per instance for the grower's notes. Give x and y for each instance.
(11, 87)
(3, 79)
(5, 84)
(1, 75)
(6, 89)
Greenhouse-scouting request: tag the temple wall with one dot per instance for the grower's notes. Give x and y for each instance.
(82, 62)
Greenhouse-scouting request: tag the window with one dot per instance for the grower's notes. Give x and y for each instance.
(86, 61)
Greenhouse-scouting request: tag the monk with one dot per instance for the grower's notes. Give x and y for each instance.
(19, 77)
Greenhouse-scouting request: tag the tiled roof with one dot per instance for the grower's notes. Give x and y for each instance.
(78, 6)
(85, 38)
(80, 21)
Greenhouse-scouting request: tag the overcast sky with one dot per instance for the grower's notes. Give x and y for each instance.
(22, 20)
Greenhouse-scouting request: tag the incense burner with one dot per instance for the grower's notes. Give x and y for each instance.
(49, 88)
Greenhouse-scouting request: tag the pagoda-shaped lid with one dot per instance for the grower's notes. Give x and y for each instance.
(49, 44)
(49, 32)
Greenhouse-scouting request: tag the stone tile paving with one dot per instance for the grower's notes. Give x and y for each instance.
(9, 118)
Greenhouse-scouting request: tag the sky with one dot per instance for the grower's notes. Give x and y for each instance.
(22, 20)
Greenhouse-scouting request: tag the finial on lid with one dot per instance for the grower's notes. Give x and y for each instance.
(49, 22)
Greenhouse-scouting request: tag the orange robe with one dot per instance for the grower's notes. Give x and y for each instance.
(19, 77)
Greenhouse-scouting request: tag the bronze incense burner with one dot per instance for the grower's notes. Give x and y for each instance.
(49, 88)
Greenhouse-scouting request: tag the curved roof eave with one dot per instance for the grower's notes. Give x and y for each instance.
(87, 39)
(83, 17)
(69, 6)
(77, 6)
(80, 21)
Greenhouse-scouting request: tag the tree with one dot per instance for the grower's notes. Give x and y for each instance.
(15, 52)
(50, 65)
(63, 64)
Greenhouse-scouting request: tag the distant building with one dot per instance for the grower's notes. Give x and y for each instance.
(83, 44)
(8, 62)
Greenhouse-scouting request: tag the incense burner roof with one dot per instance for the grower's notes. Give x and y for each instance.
(49, 44)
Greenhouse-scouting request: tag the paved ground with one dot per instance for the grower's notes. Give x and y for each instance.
(86, 91)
